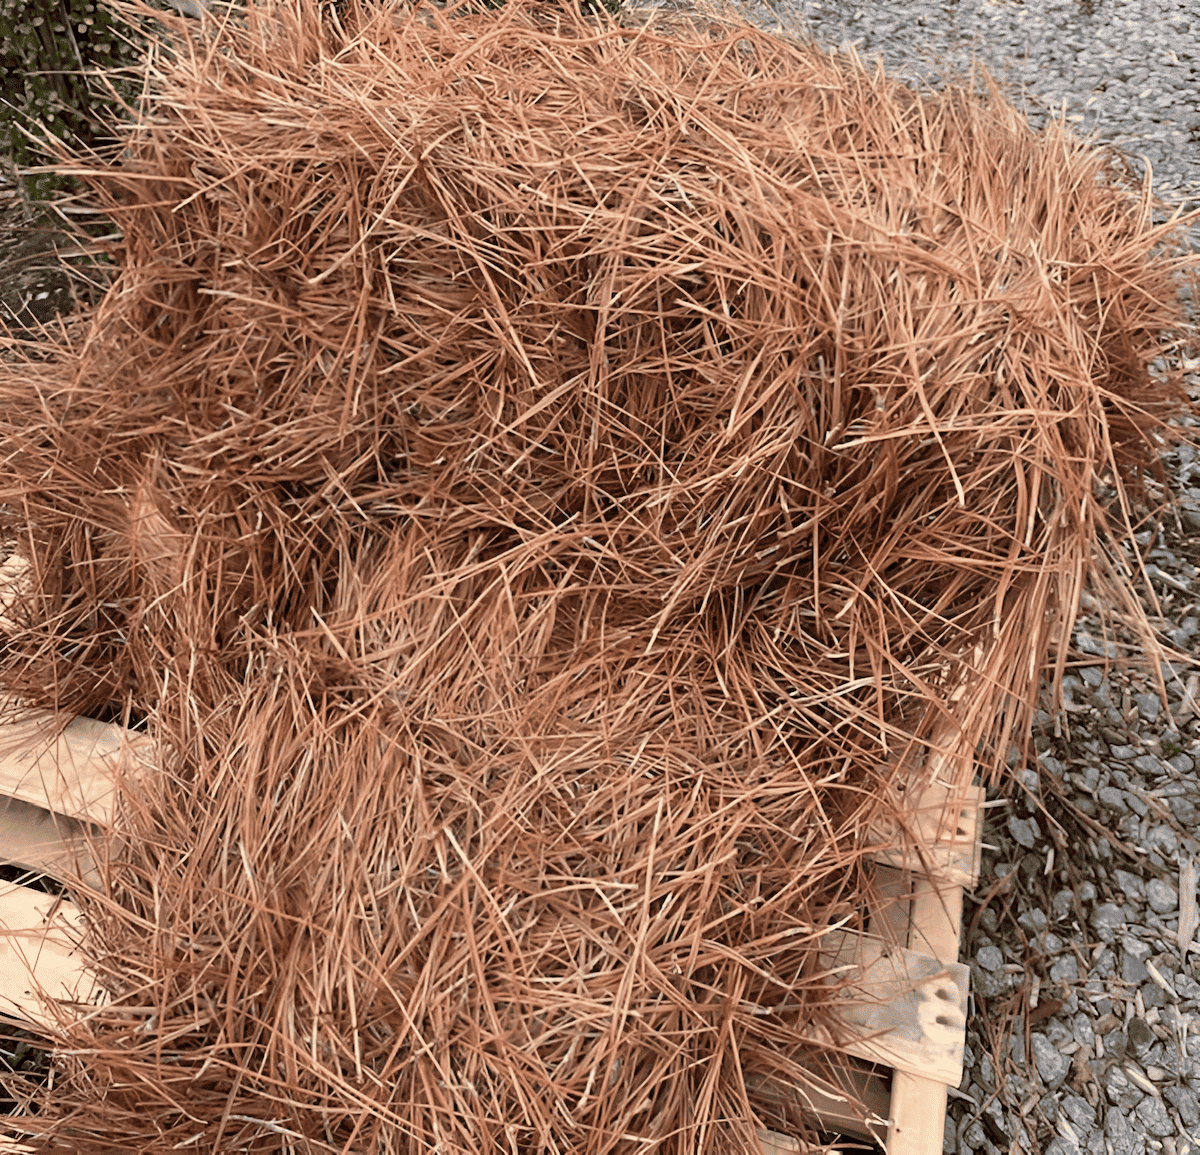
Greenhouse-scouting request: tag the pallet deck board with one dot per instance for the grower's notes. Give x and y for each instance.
(907, 1009)
(68, 768)
(942, 837)
(905, 1001)
(39, 954)
(918, 1102)
(838, 1114)
(36, 840)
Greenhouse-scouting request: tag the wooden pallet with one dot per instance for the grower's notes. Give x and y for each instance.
(905, 1001)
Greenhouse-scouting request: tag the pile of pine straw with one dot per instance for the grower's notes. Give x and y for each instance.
(536, 479)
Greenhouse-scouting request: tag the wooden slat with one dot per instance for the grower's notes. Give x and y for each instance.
(918, 1115)
(909, 1010)
(942, 836)
(836, 1114)
(66, 768)
(38, 952)
(43, 843)
(918, 1108)
(772, 1143)
(12, 576)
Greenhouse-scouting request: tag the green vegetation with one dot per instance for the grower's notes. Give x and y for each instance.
(60, 75)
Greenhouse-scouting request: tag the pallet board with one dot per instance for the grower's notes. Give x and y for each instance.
(65, 767)
(908, 1009)
(929, 920)
(903, 989)
(39, 953)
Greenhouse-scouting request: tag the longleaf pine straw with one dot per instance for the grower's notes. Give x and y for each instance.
(538, 481)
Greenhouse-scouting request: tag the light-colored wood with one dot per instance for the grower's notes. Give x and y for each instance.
(13, 571)
(941, 838)
(39, 954)
(66, 767)
(906, 1009)
(918, 1121)
(772, 1143)
(836, 1114)
(918, 1108)
(918, 1114)
(44, 843)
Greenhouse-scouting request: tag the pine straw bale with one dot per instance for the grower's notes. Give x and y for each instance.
(538, 480)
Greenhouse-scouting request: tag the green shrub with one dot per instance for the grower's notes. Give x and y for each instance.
(52, 56)
(61, 66)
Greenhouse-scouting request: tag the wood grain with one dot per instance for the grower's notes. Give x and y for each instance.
(66, 767)
(39, 955)
(907, 1009)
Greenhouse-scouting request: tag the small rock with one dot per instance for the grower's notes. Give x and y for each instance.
(1052, 1065)
(1162, 839)
(1153, 1116)
(1125, 753)
(1081, 1113)
(1185, 1102)
(1131, 885)
(1149, 706)
(995, 1124)
(1060, 1146)
(1187, 987)
(1180, 639)
(1136, 804)
(1162, 897)
(1064, 970)
(1033, 921)
(1153, 995)
(1092, 675)
(1085, 1035)
(1031, 866)
(1122, 1137)
(1048, 942)
(1024, 831)
(1133, 970)
(991, 958)
(1187, 813)
(1141, 1037)
(1106, 918)
(974, 1137)
(1062, 904)
(989, 984)
(1111, 796)
(1135, 947)
(985, 1070)
(1090, 644)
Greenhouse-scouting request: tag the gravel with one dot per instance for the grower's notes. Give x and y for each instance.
(1085, 1028)
(1128, 70)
